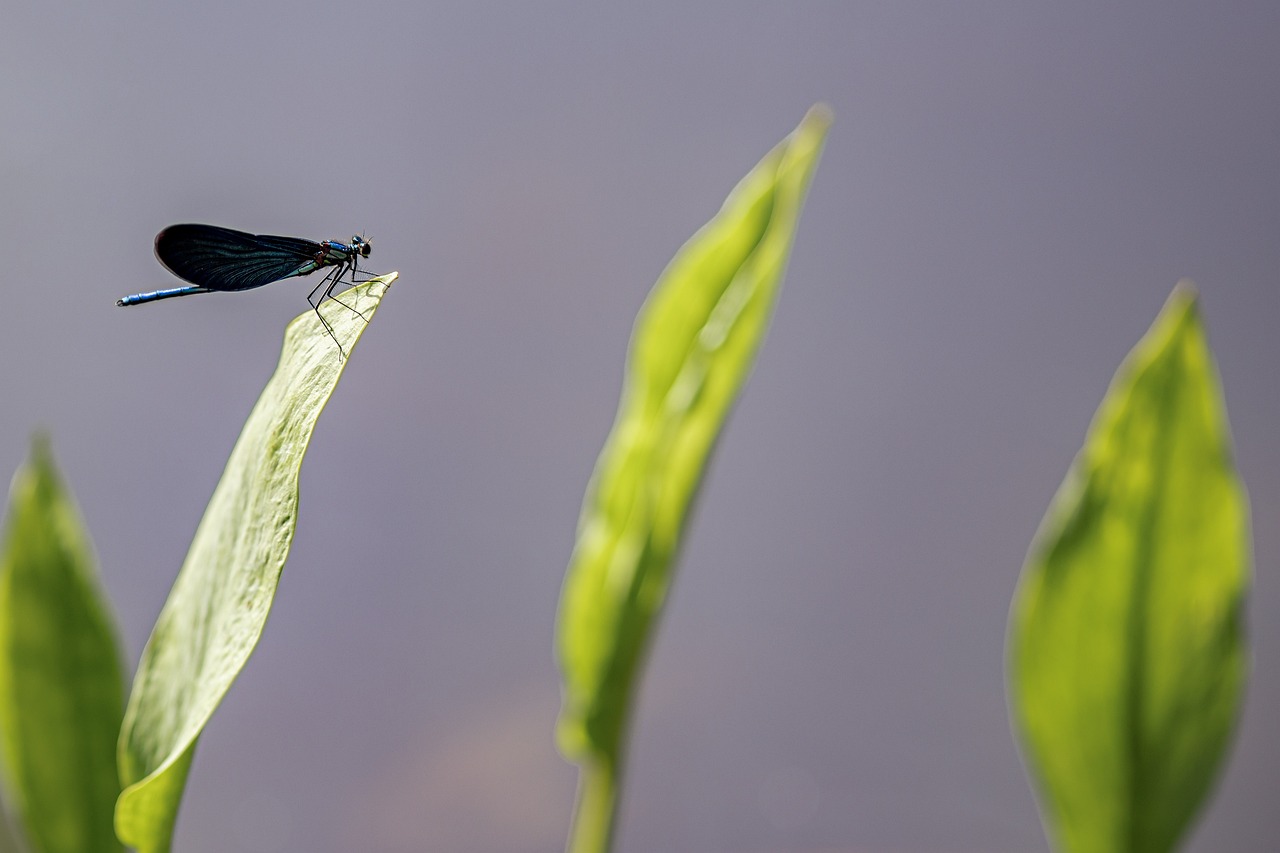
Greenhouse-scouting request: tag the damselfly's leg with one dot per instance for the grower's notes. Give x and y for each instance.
(315, 306)
(354, 281)
(328, 294)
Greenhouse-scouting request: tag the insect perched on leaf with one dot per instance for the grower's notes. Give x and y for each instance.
(219, 260)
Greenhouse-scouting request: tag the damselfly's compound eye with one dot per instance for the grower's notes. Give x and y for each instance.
(365, 247)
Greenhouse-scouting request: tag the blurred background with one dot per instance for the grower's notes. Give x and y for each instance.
(1008, 195)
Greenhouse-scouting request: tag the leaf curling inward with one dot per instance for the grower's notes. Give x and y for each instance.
(221, 599)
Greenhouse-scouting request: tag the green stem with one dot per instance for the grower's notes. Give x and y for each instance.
(594, 812)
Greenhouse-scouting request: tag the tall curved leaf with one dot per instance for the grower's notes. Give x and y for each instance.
(693, 346)
(1126, 649)
(220, 601)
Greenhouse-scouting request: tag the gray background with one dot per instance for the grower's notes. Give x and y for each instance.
(1008, 195)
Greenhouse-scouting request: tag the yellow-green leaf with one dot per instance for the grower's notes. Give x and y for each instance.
(692, 348)
(220, 601)
(61, 685)
(1126, 649)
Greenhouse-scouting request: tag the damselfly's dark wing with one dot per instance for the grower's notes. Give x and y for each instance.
(226, 259)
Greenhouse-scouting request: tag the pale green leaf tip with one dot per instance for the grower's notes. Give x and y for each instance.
(1185, 297)
(819, 117)
(812, 130)
(1180, 313)
(41, 445)
(39, 460)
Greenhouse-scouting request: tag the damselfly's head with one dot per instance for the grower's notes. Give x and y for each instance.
(361, 245)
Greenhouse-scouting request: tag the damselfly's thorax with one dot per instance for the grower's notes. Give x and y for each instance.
(331, 252)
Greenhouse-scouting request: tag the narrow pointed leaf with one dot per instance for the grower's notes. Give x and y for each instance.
(61, 685)
(220, 601)
(692, 348)
(1127, 656)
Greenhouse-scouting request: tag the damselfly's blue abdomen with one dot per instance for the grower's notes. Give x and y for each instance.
(155, 295)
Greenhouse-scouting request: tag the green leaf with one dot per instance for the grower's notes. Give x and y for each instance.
(1126, 650)
(61, 685)
(692, 348)
(219, 603)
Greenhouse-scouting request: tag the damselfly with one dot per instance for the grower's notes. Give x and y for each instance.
(217, 259)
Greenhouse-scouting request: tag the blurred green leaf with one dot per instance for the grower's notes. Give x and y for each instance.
(692, 348)
(1127, 659)
(61, 685)
(219, 603)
